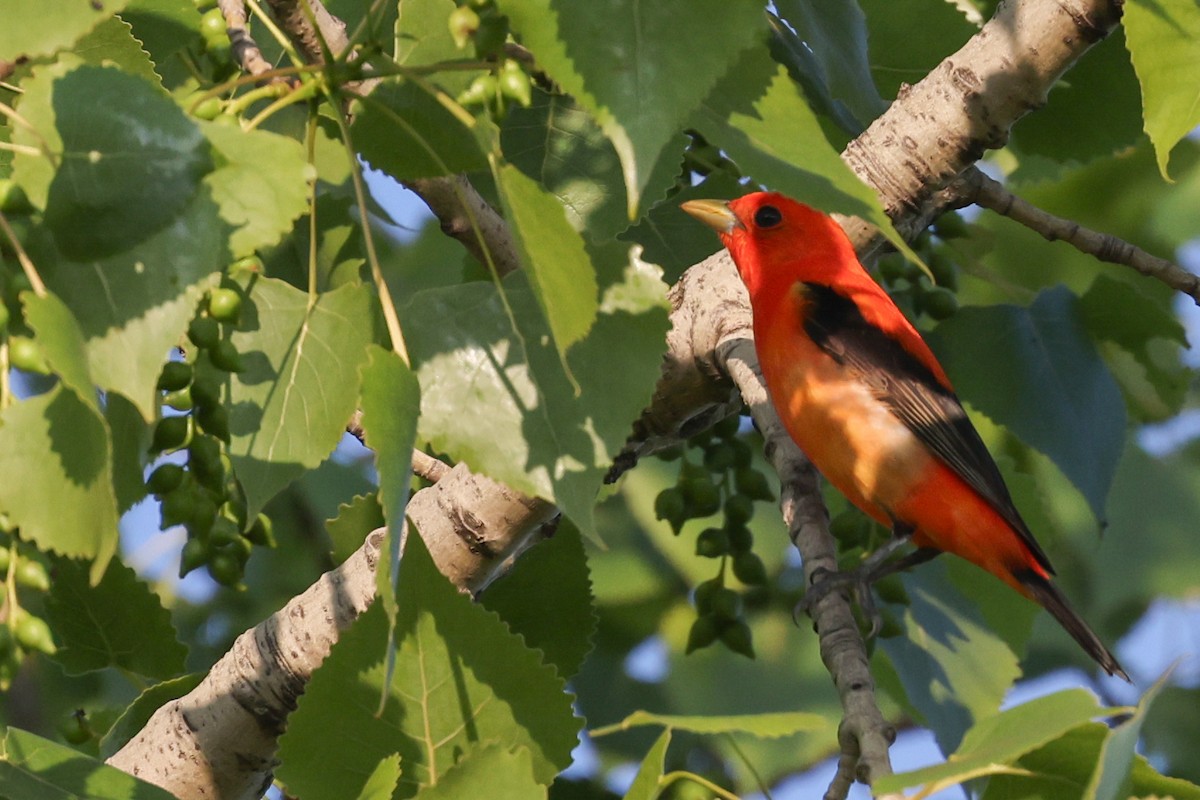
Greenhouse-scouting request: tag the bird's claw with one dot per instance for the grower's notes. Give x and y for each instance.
(822, 581)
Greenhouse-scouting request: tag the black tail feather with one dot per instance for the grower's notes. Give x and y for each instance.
(1055, 602)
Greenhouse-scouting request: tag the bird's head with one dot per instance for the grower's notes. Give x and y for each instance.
(774, 238)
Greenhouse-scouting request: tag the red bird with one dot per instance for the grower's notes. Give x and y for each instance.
(866, 400)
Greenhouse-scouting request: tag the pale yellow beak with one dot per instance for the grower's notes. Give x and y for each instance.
(716, 214)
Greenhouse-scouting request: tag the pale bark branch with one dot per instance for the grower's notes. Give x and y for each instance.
(992, 195)
(246, 53)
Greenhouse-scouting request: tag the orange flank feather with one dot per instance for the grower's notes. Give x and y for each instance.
(866, 400)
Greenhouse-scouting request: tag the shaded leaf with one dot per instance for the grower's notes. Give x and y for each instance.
(602, 55)
(164, 27)
(404, 131)
(138, 713)
(112, 42)
(354, 521)
(553, 574)
(61, 341)
(904, 48)
(646, 784)
(1035, 371)
(382, 783)
(770, 726)
(130, 439)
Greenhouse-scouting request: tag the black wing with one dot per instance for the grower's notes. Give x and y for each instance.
(932, 412)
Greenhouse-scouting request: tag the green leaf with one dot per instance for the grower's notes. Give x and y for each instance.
(646, 783)
(61, 341)
(382, 783)
(261, 184)
(35, 767)
(354, 521)
(1163, 37)
(640, 68)
(460, 679)
(406, 132)
(164, 27)
(488, 770)
(112, 42)
(422, 37)
(559, 144)
(1037, 373)
(130, 440)
(91, 623)
(553, 574)
(1093, 112)
(561, 273)
(953, 667)
(55, 475)
(836, 35)
(511, 412)
(391, 403)
(130, 162)
(138, 713)
(904, 48)
(767, 726)
(1064, 766)
(759, 117)
(289, 407)
(35, 28)
(1000, 740)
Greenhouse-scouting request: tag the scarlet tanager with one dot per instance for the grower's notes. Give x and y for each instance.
(866, 400)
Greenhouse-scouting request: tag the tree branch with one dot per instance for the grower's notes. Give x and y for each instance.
(246, 53)
(1105, 247)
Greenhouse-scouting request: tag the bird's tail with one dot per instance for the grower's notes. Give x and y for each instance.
(1048, 595)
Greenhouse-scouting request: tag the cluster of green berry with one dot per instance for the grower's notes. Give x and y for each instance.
(725, 479)
(478, 22)
(910, 287)
(205, 497)
(22, 632)
(216, 46)
(23, 352)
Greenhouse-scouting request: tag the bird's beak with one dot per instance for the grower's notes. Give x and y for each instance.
(716, 214)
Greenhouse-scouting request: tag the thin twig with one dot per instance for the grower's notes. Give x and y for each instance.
(992, 195)
(427, 467)
(246, 52)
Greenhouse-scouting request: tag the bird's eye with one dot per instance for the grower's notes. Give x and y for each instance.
(767, 217)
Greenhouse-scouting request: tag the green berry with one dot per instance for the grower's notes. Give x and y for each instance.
(33, 634)
(940, 303)
(170, 433)
(463, 22)
(712, 543)
(207, 109)
(225, 305)
(481, 91)
(33, 574)
(891, 589)
(669, 505)
(204, 332)
(165, 478)
(224, 532)
(702, 595)
(175, 375)
(74, 728)
(205, 391)
(204, 460)
(890, 624)
(728, 428)
(945, 272)
(194, 555)
(514, 83)
(950, 225)
(25, 354)
(737, 637)
(704, 631)
(718, 456)
(702, 496)
(726, 604)
(261, 532)
(203, 515)
(748, 568)
(212, 26)
(671, 453)
(743, 454)
(753, 484)
(225, 356)
(5, 561)
(180, 400)
(740, 538)
(225, 568)
(738, 509)
(892, 267)
(4, 317)
(214, 420)
(177, 507)
(204, 5)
